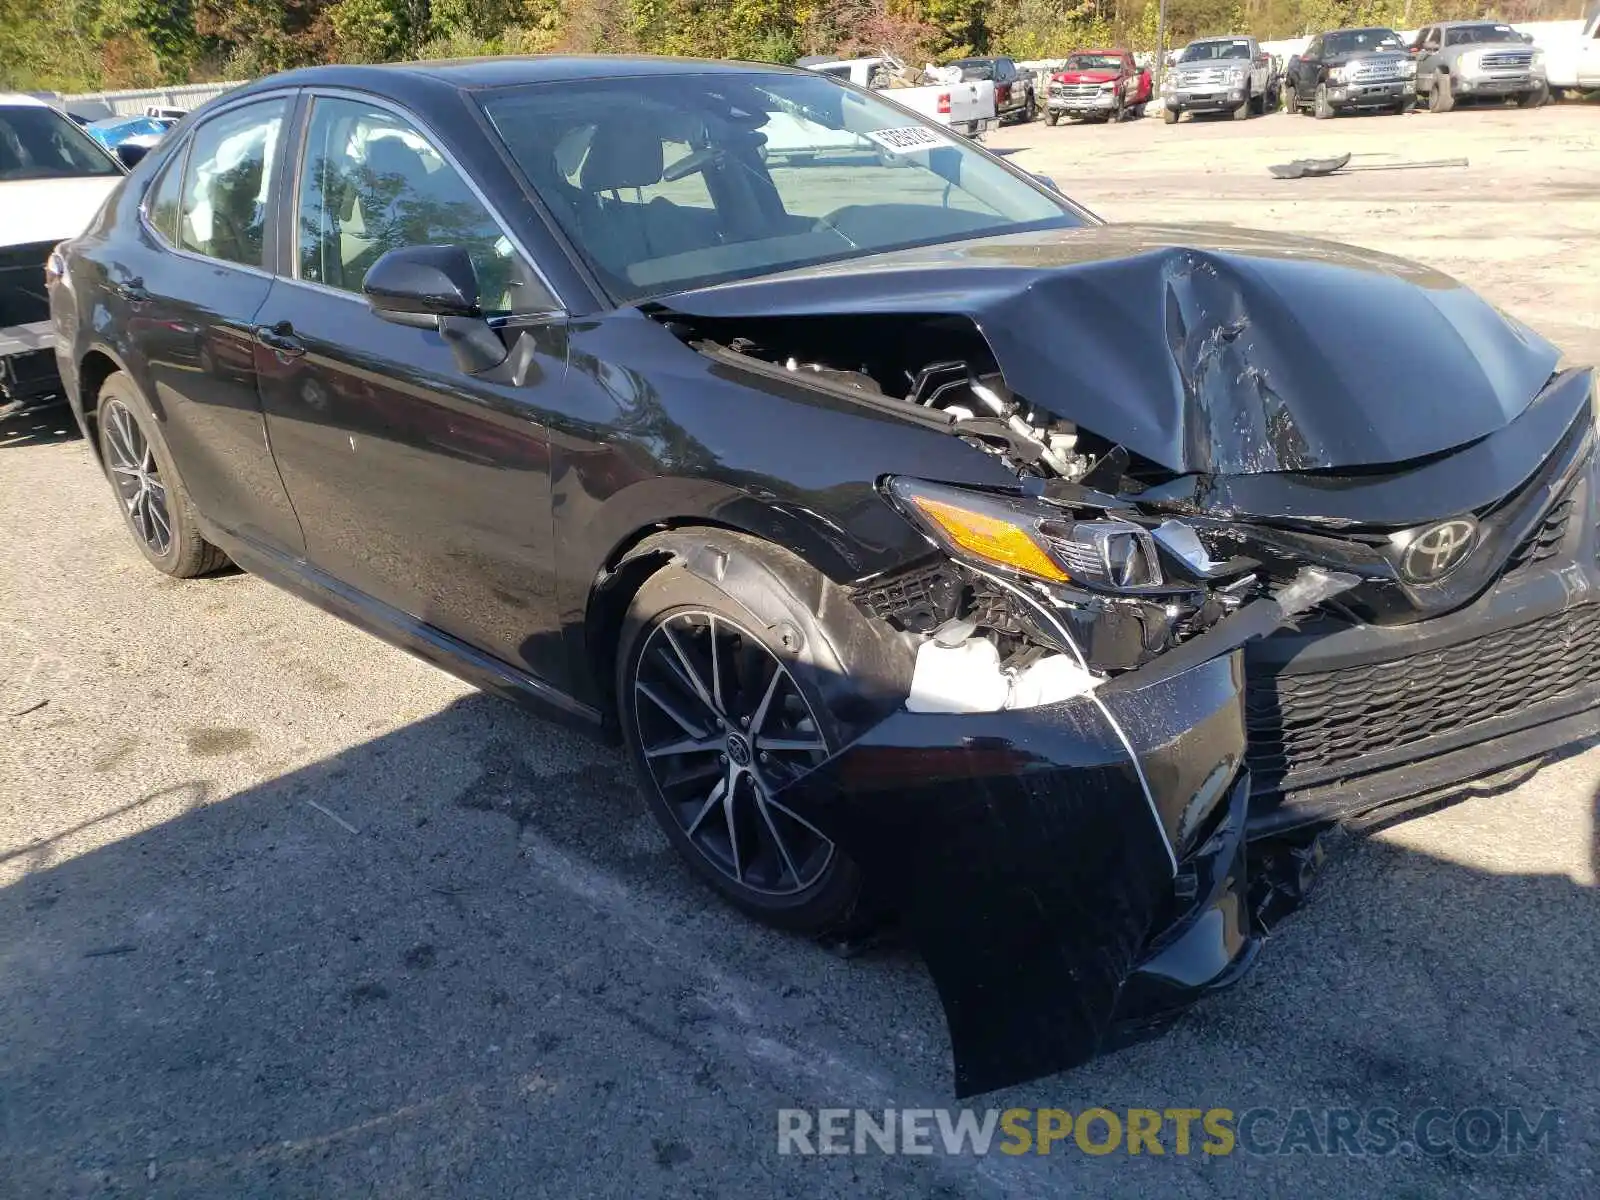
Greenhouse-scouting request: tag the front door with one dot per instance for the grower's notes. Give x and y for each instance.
(419, 485)
(190, 287)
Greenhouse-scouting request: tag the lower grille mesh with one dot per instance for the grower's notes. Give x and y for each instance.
(1301, 725)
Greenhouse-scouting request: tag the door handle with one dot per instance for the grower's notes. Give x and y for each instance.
(280, 339)
(131, 290)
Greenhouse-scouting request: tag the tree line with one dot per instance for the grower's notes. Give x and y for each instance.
(89, 45)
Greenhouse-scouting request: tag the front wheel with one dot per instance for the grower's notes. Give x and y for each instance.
(1407, 106)
(1242, 113)
(1169, 116)
(1537, 98)
(1440, 98)
(155, 506)
(1321, 109)
(723, 703)
(1051, 117)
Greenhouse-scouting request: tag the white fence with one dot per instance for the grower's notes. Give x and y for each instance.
(119, 104)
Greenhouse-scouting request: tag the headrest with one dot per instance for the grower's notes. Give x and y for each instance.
(621, 156)
(391, 156)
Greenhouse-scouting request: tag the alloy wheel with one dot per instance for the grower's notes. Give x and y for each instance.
(722, 726)
(132, 462)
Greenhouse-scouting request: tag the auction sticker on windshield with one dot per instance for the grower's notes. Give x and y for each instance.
(906, 140)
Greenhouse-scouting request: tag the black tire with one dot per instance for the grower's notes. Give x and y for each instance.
(1538, 98)
(1407, 106)
(1291, 100)
(145, 482)
(1321, 109)
(1051, 117)
(766, 608)
(1245, 110)
(1440, 98)
(1030, 110)
(1169, 116)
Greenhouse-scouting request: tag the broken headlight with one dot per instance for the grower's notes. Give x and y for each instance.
(1027, 537)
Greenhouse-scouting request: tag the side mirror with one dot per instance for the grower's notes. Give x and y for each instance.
(129, 154)
(435, 287)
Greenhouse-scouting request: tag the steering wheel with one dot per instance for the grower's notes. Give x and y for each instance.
(695, 160)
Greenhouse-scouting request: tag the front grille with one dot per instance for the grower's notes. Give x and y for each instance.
(1205, 77)
(1507, 60)
(1076, 91)
(1545, 541)
(1370, 72)
(1300, 726)
(22, 295)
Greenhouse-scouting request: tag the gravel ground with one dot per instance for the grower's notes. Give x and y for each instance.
(285, 912)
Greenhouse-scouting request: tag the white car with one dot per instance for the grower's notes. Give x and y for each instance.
(53, 179)
(966, 106)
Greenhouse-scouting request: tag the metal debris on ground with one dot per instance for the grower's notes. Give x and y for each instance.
(1304, 168)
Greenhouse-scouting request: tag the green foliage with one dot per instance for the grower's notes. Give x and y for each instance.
(84, 45)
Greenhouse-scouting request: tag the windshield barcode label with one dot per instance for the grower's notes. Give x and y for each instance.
(907, 139)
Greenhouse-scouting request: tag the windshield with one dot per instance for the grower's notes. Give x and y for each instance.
(677, 181)
(1362, 41)
(1210, 51)
(37, 142)
(1094, 62)
(1467, 34)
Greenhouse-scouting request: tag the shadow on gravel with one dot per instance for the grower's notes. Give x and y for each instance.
(41, 428)
(458, 959)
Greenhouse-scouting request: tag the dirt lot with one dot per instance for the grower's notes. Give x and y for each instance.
(283, 911)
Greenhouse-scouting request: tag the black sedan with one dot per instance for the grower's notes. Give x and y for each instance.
(940, 552)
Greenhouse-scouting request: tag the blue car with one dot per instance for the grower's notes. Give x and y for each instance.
(114, 131)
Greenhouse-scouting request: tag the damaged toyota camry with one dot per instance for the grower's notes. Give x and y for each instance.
(941, 553)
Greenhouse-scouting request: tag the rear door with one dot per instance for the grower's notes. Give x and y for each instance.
(188, 289)
(418, 485)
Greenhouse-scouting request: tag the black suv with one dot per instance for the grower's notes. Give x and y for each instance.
(1352, 70)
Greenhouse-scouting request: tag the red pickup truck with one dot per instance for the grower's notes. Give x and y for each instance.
(1098, 85)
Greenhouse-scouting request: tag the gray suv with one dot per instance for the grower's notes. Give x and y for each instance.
(1468, 60)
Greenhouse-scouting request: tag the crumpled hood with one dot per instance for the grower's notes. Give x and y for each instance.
(1204, 349)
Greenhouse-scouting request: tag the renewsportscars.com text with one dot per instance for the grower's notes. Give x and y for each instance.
(1177, 1131)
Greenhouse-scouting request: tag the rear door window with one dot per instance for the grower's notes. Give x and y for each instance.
(224, 209)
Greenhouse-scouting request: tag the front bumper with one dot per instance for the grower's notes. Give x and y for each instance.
(28, 376)
(1347, 97)
(1347, 718)
(1515, 83)
(1097, 103)
(1061, 870)
(1218, 100)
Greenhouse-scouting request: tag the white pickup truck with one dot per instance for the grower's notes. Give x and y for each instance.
(1572, 60)
(53, 179)
(965, 106)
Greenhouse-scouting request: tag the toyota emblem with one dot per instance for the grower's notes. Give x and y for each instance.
(1438, 550)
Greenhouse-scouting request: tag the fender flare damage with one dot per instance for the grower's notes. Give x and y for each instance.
(1053, 906)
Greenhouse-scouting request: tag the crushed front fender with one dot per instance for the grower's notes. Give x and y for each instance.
(1041, 859)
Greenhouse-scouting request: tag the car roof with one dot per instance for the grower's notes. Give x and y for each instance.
(1480, 21)
(18, 100)
(470, 74)
(1361, 29)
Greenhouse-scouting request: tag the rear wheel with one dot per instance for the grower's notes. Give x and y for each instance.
(1051, 117)
(722, 708)
(1440, 98)
(155, 506)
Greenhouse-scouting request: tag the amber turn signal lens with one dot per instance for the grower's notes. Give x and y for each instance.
(990, 539)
